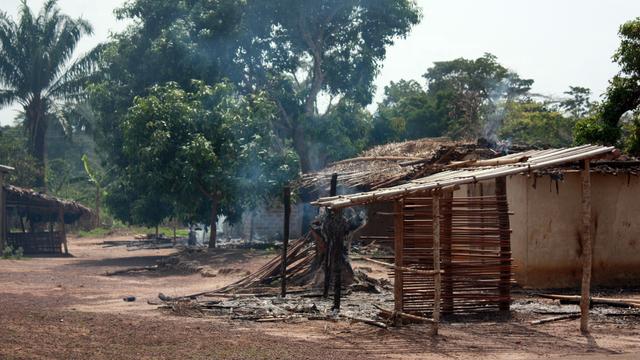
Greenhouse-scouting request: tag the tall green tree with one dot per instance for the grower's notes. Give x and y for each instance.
(299, 50)
(536, 123)
(407, 112)
(622, 95)
(37, 70)
(199, 153)
(168, 41)
(474, 94)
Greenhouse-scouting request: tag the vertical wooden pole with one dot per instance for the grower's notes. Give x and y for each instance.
(447, 258)
(337, 259)
(3, 214)
(285, 238)
(63, 230)
(505, 244)
(333, 190)
(587, 248)
(399, 253)
(52, 242)
(437, 279)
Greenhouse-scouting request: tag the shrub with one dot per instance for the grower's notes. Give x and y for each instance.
(592, 130)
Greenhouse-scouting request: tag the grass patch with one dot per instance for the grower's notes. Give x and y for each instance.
(131, 230)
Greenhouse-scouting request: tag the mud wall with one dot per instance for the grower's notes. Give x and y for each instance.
(546, 240)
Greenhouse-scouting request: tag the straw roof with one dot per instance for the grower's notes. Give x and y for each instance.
(42, 206)
(471, 172)
(392, 164)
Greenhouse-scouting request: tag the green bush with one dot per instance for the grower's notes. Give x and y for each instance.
(7, 252)
(10, 253)
(19, 253)
(592, 130)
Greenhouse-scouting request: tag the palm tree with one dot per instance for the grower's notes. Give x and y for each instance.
(37, 71)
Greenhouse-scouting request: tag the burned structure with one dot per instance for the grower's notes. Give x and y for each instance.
(452, 250)
(34, 221)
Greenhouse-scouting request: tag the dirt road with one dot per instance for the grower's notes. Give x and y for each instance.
(66, 308)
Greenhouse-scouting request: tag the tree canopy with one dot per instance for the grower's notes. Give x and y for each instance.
(203, 150)
(37, 70)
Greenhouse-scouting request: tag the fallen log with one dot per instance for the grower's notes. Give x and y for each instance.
(392, 314)
(594, 300)
(366, 321)
(556, 318)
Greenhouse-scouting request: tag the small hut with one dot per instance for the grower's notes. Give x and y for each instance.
(34, 221)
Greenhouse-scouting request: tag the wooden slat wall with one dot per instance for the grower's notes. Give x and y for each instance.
(37, 243)
(474, 241)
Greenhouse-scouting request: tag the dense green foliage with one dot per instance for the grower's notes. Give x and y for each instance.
(536, 123)
(202, 107)
(463, 99)
(622, 96)
(298, 50)
(36, 70)
(196, 153)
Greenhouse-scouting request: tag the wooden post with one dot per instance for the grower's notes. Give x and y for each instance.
(285, 237)
(399, 252)
(214, 220)
(437, 278)
(447, 230)
(63, 230)
(505, 244)
(587, 250)
(337, 259)
(329, 250)
(3, 213)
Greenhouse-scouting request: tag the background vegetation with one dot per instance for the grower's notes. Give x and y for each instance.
(203, 108)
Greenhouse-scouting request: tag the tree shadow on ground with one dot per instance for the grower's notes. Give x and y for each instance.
(464, 339)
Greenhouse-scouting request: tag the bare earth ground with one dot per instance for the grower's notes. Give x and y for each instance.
(65, 308)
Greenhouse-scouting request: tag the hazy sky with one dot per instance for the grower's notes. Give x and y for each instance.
(556, 43)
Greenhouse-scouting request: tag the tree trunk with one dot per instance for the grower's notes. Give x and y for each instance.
(214, 219)
(36, 121)
(98, 206)
(301, 146)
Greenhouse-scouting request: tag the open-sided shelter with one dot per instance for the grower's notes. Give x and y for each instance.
(34, 221)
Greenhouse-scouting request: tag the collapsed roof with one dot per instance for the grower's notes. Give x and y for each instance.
(391, 164)
(471, 171)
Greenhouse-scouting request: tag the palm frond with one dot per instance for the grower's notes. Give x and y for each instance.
(7, 97)
(71, 83)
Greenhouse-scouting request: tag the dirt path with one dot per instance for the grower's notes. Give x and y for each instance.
(65, 308)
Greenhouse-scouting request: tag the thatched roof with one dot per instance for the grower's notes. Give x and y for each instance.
(43, 207)
(392, 164)
(468, 172)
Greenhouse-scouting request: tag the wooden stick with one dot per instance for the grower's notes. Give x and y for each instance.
(337, 262)
(587, 251)
(437, 280)
(399, 248)
(63, 230)
(329, 250)
(594, 300)
(403, 268)
(366, 321)
(411, 317)
(285, 240)
(555, 318)
(505, 242)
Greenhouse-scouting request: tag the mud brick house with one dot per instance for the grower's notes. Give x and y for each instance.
(544, 204)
